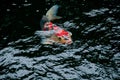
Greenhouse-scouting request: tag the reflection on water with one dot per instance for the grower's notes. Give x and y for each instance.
(94, 54)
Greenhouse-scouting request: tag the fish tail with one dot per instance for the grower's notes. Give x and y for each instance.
(52, 13)
(43, 21)
(50, 16)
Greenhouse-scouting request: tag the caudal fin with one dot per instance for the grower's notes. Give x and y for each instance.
(52, 13)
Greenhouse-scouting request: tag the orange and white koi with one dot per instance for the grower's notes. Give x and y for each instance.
(60, 35)
(52, 33)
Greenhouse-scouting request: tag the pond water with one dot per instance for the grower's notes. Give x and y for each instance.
(94, 54)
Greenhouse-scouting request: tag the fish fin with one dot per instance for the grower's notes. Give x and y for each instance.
(56, 17)
(43, 21)
(70, 33)
(52, 13)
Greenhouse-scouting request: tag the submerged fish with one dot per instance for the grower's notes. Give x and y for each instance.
(51, 37)
(52, 33)
(60, 35)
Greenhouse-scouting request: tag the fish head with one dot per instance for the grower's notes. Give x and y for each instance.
(63, 37)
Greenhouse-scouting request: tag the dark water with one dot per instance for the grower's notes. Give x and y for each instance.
(94, 54)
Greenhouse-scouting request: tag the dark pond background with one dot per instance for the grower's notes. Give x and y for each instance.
(94, 54)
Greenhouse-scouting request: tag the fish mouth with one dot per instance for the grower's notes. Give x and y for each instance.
(69, 42)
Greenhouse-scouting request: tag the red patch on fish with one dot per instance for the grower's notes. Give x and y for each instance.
(59, 31)
(62, 33)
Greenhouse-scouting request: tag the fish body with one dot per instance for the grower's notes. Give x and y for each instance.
(52, 33)
(60, 35)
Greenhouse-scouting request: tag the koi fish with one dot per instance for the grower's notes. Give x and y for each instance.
(52, 33)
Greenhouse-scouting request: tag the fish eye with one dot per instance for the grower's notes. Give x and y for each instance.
(59, 38)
